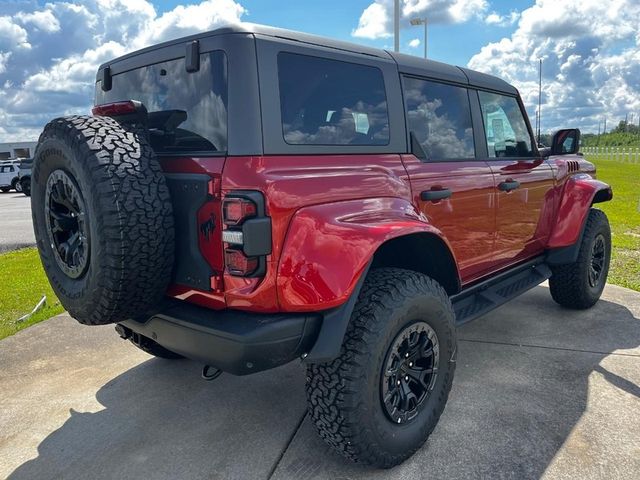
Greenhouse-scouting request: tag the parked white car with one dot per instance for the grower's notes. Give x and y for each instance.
(9, 176)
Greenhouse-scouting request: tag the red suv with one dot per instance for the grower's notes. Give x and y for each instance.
(250, 196)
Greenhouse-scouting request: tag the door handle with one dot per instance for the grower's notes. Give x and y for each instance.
(508, 185)
(435, 195)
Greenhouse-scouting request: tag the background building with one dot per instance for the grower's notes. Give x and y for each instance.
(17, 150)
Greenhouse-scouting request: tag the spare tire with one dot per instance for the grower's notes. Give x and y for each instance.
(102, 217)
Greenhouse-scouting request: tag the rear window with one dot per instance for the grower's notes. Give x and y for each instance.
(329, 102)
(187, 111)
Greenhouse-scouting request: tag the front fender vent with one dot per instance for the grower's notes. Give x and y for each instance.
(573, 166)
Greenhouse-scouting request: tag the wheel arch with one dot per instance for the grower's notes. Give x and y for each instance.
(580, 193)
(423, 252)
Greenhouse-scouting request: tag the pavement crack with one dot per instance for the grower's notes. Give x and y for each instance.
(286, 446)
(566, 349)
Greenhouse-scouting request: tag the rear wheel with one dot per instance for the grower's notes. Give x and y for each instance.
(103, 219)
(579, 285)
(382, 397)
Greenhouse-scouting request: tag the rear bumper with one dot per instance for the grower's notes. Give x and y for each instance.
(234, 341)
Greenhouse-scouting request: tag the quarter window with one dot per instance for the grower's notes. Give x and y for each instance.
(440, 118)
(330, 102)
(505, 128)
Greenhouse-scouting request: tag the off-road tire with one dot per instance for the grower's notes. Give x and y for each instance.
(26, 186)
(569, 284)
(344, 396)
(128, 212)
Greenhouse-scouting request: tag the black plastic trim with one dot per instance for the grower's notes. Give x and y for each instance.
(334, 326)
(484, 296)
(189, 191)
(257, 237)
(234, 341)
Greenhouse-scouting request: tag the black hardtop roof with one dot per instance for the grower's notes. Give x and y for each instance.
(408, 64)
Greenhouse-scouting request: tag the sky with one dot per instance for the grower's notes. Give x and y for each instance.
(49, 51)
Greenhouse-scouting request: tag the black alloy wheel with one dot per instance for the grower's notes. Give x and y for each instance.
(67, 224)
(410, 372)
(598, 254)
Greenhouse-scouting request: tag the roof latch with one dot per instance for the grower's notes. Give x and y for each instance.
(105, 79)
(192, 57)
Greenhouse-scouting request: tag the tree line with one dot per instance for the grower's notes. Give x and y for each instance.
(624, 135)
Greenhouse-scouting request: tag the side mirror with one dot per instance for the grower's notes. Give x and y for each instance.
(565, 142)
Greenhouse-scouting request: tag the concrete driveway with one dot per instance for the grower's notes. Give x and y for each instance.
(17, 230)
(539, 392)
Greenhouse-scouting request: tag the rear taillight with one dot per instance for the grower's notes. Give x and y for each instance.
(247, 234)
(115, 109)
(239, 264)
(237, 210)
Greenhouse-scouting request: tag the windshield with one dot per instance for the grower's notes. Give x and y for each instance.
(187, 111)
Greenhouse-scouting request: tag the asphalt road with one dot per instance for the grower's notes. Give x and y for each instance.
(539, 392)
(15, 216)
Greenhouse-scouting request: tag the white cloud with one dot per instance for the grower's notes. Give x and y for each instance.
(44, 20)
(12, 35)
(376, 21)
(414, 43)
(49, 54)
(498, 20)
(591, 60)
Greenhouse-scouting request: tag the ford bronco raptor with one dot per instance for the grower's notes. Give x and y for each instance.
(250, 196)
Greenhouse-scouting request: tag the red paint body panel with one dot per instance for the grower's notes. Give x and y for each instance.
(524, 216)
(328, 246)
(577, 198)
(330, 213)
(467, 219)
(290, 183)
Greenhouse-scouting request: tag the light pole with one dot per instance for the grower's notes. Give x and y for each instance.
(422, 21)
(396, 26)
(539, 98)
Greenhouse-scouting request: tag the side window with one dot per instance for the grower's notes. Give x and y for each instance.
(330, 102)
(505, 127)
(440, 118)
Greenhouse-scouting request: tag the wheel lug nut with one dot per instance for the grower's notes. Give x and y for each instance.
(398, 382)
(407, 378)
(411, 364)
(406, 355)
(399, 420)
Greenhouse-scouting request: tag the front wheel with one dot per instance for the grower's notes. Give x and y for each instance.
(579, 285)
(382, 397)
(26, 186)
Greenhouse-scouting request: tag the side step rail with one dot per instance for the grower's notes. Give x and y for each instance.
(485, 296)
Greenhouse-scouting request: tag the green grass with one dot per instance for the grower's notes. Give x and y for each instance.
(624, 216)
(23, 285)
